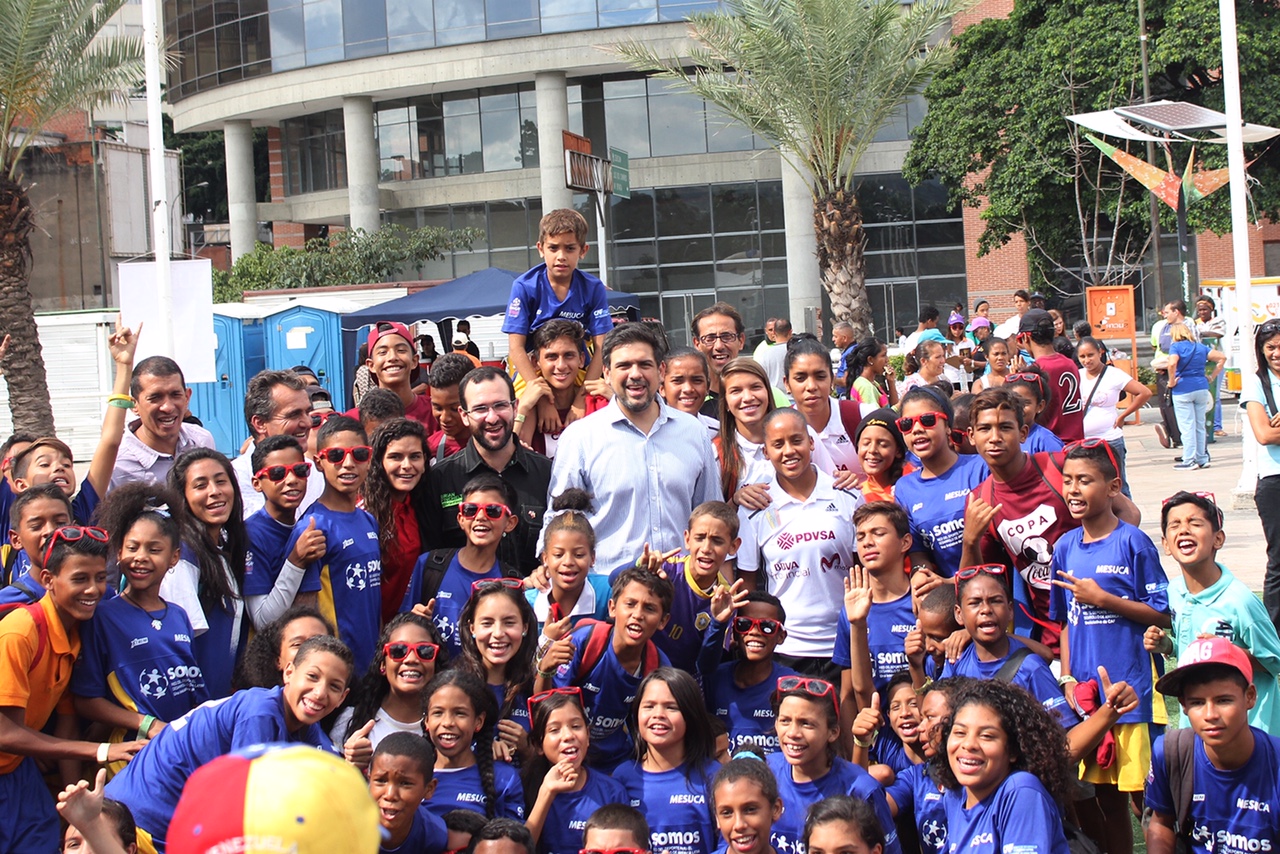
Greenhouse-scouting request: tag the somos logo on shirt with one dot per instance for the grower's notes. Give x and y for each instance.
(788, 541)
(513, 310)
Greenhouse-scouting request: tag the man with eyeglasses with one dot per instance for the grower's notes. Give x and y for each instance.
(487, 398)
(275, 404)
(645, 464)
(719, 333)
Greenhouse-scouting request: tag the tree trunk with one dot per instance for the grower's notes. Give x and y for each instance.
(23, 364)
(837, 224)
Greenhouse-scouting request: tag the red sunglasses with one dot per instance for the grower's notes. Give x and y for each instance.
(995, 570)
(72, 533)
(400, 651)
(927, 419)
(1094, 443)
(318, 418)
(489, 583)
(571, 691)
(818, 688)
(469, 510)
(767, 627)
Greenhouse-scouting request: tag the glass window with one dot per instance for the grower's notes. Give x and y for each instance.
(228, 39)
(734, 207)
(940, 233)
(640, 253)
(323, 29)
(683, 210)
(682, 250)
(770, 194)
(726, 134)
(508, 224)
(676, 122)
(940, 262)
(410, 24)
(562, 16)
(511, 18)
(500, 131)
(396, 151)
(459, 21)
(515, 260)
(679, 10)
(364, 27)
(255, 35)
(931, 201)
(617, 13)
(888, 238)
(626, 118)
(891, 265)
(683, 279)
(633, 217)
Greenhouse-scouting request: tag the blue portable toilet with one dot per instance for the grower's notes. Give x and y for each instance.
(238, 330)
(308, 331)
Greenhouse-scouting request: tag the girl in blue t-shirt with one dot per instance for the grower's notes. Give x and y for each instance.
(1031, 386)
(209, 577)
(670, 780)
(744, 799)
(391, 695)
(1006, 756)
(138, 669)
(574, 594)
(903, 745)
(806, 764)
(460, 722)
(561, 793)
(499, 640)
(842, 823)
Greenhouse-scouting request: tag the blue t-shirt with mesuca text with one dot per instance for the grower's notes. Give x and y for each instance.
(887, 627)
(140, 660)
(607, 692)
(1033, 674)
(350, 576)
(916, 794)
(533, 303)
(460, 788)
(1019, 817)
(567, 818)
(1232, 812)
(428, 835)
(269, 541)
(1041, 438)
(935, 509)
(676, 803)
(519, 711)
(451, 597)
(844, 778)
(1126, 564)
(151, 784)
(746, 712)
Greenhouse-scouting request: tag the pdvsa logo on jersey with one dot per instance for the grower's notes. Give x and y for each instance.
(789, 541)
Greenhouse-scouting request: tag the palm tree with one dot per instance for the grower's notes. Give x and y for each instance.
(50, 64)
(817, 79)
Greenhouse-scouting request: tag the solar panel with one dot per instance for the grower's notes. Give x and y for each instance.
(1174, 116)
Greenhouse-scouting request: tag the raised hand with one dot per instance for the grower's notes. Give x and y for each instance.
(557, 629)
(122, 343)
(560, 652)
(358, 749)
(561, 777)
(1086, 590)
(977, 516)
(81, 805)
(1154, 639)
(426, 610)
(913, 645)
(868, 720)
(857, 595)
(956, 644)
(1120, 696)
(726, 600)
(310, 545)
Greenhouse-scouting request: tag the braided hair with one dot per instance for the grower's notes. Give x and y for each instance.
(483, 705)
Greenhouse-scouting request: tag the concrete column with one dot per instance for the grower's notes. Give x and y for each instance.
(242, 204)
(804, 281)
(553, 117)
(362, 163)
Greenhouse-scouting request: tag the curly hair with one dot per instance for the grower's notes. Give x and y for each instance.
(1037, 742)
(366, 697)
(258, 667)
(518, 673)
(380, 496)
(210, 557)
(130, 503)
(482, 703)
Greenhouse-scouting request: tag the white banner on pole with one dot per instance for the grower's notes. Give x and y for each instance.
(191, 322)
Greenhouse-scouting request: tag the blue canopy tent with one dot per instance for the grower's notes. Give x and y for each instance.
(480, 294)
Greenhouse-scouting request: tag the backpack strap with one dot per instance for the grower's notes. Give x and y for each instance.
(433, 570)
(850, 416)
(41, 620)
(1264, 376)
(1012, 664)
(1179, 763)
(593, 649)
(28, 591)
(1052, 475)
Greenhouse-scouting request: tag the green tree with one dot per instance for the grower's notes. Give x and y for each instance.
(344, 258)
(52, 65)
(996, 130)
(817, 79)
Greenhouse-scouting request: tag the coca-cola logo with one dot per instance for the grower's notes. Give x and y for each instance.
(788, 541)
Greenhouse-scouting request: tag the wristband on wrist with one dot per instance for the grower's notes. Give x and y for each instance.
(521, 418)
(145, 727)
(546, 674)
(104, 750)
(1066, 679)
(121, 401)
(868, 744)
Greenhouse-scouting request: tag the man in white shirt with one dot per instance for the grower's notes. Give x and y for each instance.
(275, 404)
(1008, 329)
(774, 360)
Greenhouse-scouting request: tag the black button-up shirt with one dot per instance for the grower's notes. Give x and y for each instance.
(527, 472)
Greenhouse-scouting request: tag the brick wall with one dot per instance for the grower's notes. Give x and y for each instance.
(1216, 254)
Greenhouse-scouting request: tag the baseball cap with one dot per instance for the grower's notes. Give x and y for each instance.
(461, 339)
(275, 798)
(1034, 320)
(978, 323)
(304, 370)
(321, 400)
(1198, 654)
(954, 318)
(886, 419)
(388, 327)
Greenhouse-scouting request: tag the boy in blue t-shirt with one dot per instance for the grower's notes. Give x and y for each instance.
(557, 288)
(712, 536)
(1108, 588)
(273, 580)
(740, 693)
(401, 777)
(1206, 599)
(639, 607)
(1228, 797)
(36, 514)
(350, 569)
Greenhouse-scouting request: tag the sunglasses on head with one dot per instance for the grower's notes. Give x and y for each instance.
(817, 688)
(470, 509)
(1207, 496)
(1270, 327)
(612, 851)
(767, 627)
(1094, 443)
(400, 651)
(275, 474)
(1026, 377)
(336, 455)
(571, 691)
(318, 418)
(995, 570)
(490, 583)
(72, 533)
(927, 419)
